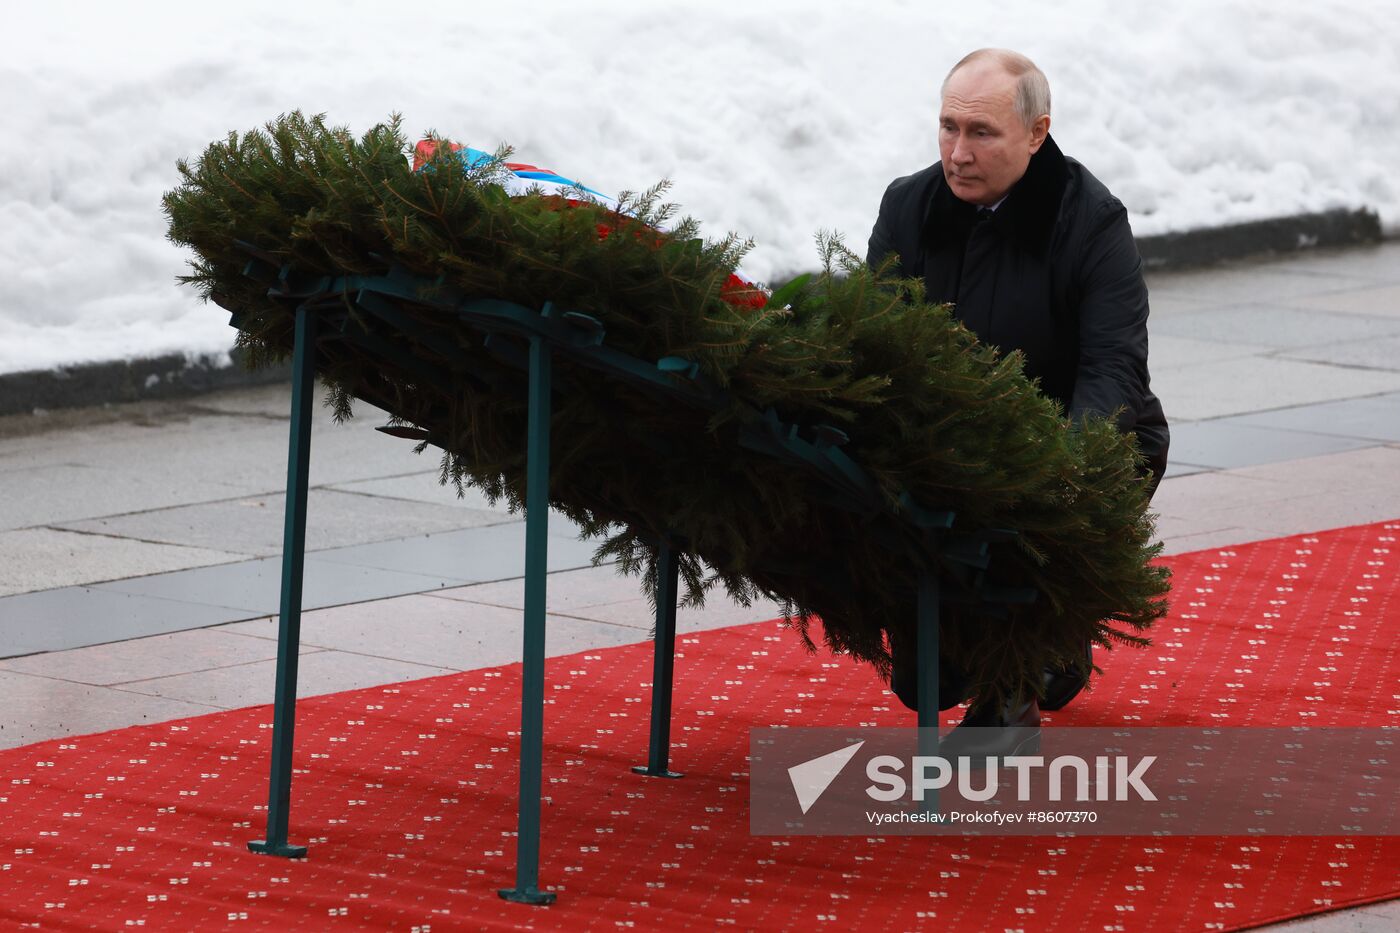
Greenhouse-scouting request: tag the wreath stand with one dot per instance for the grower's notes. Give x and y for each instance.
(367, 314)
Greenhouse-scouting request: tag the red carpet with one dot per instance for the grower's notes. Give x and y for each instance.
(407, 792)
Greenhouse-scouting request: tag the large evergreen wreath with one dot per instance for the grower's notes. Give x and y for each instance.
(932, 416)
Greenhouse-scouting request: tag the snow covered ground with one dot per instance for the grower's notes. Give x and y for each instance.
(773, 119)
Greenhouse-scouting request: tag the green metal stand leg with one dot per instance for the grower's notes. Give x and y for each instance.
(279, 795)
(663, 667)
(927, 629)
(527, 856)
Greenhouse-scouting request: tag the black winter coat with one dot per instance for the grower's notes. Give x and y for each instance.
(1054, 272)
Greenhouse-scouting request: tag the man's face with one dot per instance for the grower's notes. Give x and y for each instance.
(984, 144)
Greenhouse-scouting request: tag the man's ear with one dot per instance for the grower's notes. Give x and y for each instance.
(1039, 130)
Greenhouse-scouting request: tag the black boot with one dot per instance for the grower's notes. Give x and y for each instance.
(994, 731)
(1063, 684)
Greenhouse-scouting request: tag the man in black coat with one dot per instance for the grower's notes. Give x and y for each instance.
(1034, 254)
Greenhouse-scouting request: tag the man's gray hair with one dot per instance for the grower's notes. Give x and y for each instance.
(1032, 88)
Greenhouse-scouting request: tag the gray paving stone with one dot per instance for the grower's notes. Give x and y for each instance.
(1199, 392)
(1270, 500)
(201, 458)
(1189, 498)
(1187, 351)
(1274, 326)
(252, 684)
(253, 526)
(446, 633)
(76, 616)
(1379, 262)
(1166, 302)
(1169, 526)
(1249, 282)
(146, 658)
(473, 555)
(567, 591)
(1213, 540)
(40, 708)
(1301, 514)
(1226, 443)
(1373, 300)
(604, 595)
(34, 559)
(719, 612)
(424, 487)
(1175, 468)
(190, 598)
(1377, 353)
(252, 588)
(1370, 468)
(1376, 417)
(38, 492)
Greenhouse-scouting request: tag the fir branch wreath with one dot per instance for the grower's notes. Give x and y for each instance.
(929, 412)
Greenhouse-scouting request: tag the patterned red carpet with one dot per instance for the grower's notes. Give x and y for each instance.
(406, 793)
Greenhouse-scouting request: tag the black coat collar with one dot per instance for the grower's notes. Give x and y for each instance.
(1028, 214)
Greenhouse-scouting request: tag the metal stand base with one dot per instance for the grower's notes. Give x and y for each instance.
(527, 896)
(646, 769)
(283, 850)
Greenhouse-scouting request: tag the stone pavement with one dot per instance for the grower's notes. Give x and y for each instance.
(140, 543)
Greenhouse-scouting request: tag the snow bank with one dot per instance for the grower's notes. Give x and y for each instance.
(773, 119)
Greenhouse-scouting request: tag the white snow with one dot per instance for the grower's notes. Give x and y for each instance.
(773, 119)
